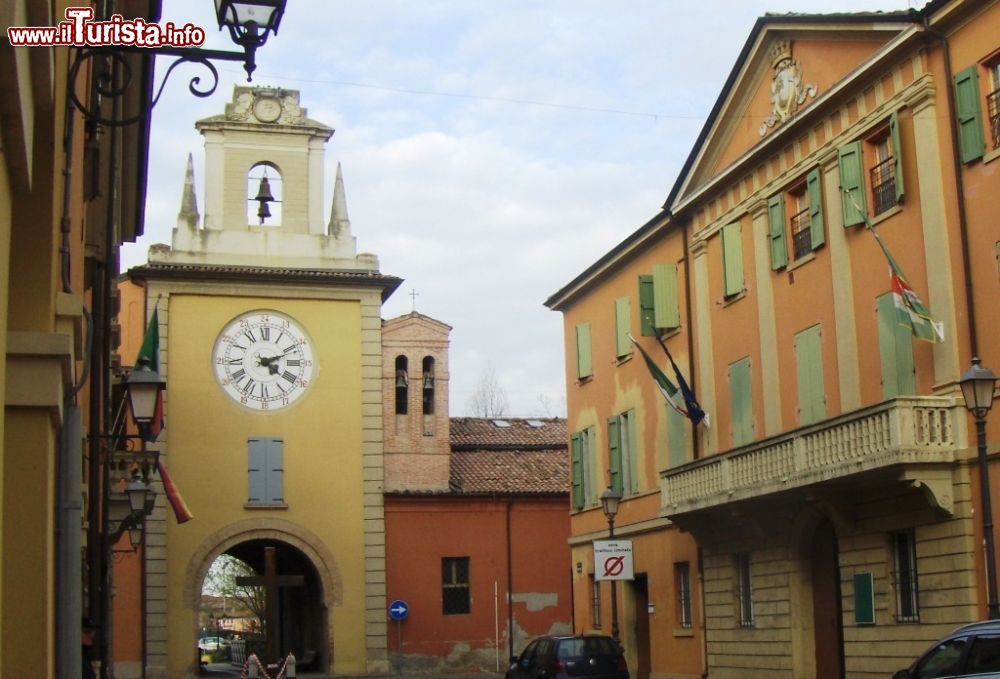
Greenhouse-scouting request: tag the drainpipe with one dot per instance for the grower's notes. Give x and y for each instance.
(510, 586)
(704, 624)
(690, 334)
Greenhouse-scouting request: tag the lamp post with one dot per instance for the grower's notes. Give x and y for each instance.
(610, 499)
(978, 385)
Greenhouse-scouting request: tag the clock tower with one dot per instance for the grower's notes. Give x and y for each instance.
(270, 337)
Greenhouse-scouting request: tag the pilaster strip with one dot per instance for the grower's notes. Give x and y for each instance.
(766, 318)
(706, 360)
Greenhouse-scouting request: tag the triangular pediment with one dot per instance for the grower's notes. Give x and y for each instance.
(789, 65)
(414, 326)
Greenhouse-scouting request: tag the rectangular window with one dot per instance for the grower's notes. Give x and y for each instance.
(682, 588)
(584, 365)
(659, 309)
(993, 104)
(647, 307)
(895, 343)
(905, 556)
(265, 471)
(595, 602)
(852, 183)
(883, 175)
(741, 405)
(799, 222)
(804, 201)
(455, 598)
(744, 589)
(623, 453)
(623, 326)
(968, 113)
(583, 464)
(809, 366)
(732, 259)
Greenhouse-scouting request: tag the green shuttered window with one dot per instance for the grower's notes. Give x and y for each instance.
(584, 365)
(582, 468)
(852, 183)
(615, 453)
(776, 227)
(809, 366)
(623, 453)
(895, 344)
(576, 452)
(897, 154)
(623, 325)
(969, 114)
(265, 471)
(814, 187)
(740, 402)
(732, 259)
(647, 306)
(659, 309)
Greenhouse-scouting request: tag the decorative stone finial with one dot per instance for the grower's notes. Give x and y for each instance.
(340, 223)
(188, 215)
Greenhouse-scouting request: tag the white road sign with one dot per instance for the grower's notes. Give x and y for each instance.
(613, 560)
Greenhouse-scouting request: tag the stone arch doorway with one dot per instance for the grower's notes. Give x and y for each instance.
(305, 584)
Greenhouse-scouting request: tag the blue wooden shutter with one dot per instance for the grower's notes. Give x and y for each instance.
(615, 453)
(895, 344)
(741, 406)
(647, 312)
(676, 438)
(732, 259)
(584, 365)
(576, 462)
(852, 183)
(666, 310)
(897, 154)
(776, 226)
(275, 470)
(969, 114)
(809, 365)
(814, 188)
(623, 322)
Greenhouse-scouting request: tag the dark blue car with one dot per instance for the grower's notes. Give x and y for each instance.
(583, 657)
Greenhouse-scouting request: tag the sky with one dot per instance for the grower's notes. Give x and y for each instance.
(491, 151)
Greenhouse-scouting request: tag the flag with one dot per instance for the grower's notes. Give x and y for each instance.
(149, 353)
(663, 383)
(910, 309)
(181, 511)
(694, 411)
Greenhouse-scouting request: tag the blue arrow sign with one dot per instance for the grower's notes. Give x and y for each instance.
(398, 610)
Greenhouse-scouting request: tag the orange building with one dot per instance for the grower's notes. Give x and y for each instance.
(475, 516)
(828, 521)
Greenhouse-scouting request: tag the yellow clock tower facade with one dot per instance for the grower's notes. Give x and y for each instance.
(270, 341)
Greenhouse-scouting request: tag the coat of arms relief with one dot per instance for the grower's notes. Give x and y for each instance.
(788, 91)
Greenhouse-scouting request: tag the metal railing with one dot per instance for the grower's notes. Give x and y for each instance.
(883, 178)
(993, 107)
(801, 224)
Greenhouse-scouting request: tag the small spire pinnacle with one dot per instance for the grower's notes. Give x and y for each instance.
(189, 202)
(340, 223)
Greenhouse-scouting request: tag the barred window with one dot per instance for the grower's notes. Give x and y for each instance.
(883, 175)
(905, 556)
(993, 104)
(455, 596)
(744, 589)
(682, 585)
(595, 589)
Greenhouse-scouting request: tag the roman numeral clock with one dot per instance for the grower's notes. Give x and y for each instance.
(263, 360)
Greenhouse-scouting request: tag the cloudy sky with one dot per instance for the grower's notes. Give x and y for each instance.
(491, 150)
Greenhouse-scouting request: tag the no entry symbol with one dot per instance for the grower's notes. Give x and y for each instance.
(613, 566)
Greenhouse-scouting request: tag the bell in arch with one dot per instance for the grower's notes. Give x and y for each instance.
(264, 197)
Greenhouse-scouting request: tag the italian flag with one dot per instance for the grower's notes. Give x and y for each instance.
(909, 307)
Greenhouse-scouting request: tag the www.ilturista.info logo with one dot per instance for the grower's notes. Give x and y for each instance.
(81, 30)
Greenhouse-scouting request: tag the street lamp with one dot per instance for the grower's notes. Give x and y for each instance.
(978, 385)
(144, 386)
(610, 499)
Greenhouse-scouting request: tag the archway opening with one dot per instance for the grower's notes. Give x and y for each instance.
(264, 181)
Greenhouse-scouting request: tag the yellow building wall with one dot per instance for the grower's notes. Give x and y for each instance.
(322, 433)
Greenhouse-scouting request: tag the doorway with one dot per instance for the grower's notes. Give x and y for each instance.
(640, 594)
(827, 613)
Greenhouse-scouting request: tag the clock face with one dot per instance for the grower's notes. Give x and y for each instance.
(267, 109)
(263, 360)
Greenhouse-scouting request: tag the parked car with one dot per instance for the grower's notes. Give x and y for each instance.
(589, 656)
(970, 651)
(212, 644)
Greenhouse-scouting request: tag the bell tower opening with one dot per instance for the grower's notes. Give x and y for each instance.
(264, 193)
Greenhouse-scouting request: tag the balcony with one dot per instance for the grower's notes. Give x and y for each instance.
(918, 430)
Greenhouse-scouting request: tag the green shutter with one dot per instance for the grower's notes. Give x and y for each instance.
(633, 452)
(623, 321)
(776, 225)
(732, 258)
(676, 438)
(593, 479)
(809, 366)
(864, 599)
(742, 408)
(665, 298)
(647, 322)
(897, 154)
(584, 366)
(852, 183)
(969, 114)
(576, 461)
(895, 349)
(814, 188)
(615, 453)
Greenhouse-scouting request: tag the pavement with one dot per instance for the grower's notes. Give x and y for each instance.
(225, 670)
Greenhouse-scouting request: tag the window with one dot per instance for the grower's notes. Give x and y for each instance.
(741, 425)
(968, 114)
(584, 368)
(809, 367)
(623, 453)
(993, 104)
(905, 557)
(682, 588)
(895, 344)
(885, 173)
(402, 385)
(428, 390)
(883, 176)
(582, 461)
(744, 590)
(595, 602)
(623, 326)
(265, 471)
(658, 304)
(455, 597)
(732, 259)
(984, 656)
(805, 223)
(943, 661)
